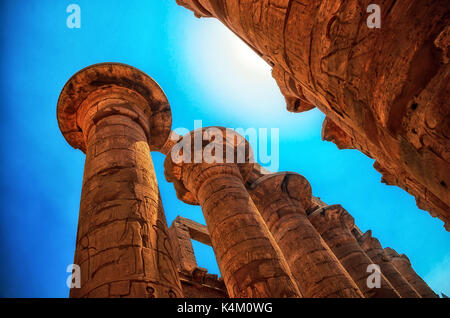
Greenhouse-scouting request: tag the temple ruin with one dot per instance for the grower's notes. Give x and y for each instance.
(384, 91)
(270, 236)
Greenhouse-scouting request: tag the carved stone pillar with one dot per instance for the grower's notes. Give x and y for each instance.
(403, 265)
(250, 261)
(182, 246)
(373, 248)
(282, 199)
(334, 224)
(116, 114)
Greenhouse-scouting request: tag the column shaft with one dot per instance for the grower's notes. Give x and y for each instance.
(383, 93)
(248, 257)
(314, 266)
(376, 253)
(344, 245)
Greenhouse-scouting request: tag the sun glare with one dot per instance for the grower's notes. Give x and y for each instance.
(239, 79)
(247, 59)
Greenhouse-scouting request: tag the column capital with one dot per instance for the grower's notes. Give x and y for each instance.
(185, 173)
(258, 171)
(196, 7)
(332, 215)
(368, 242)
(120, 81)
(292, 184)
(393, 254)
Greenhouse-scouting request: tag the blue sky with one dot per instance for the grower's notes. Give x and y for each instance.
(207, 74)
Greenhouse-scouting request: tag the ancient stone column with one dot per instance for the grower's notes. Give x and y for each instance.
(334, 224)
(182, 246)
(383, 93)
(249, 260)
(375, 251)
(403, 265)
(282, 199)
(116, 114)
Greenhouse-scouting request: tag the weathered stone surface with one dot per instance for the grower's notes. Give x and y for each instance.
(259, 171)
(334, 224)
(196, 282)
(296, 101)
(182, 231)
(282, 199)
(376, 252)
(115, 113)
(403, 265)
(384, 91)
(182, 245)
(199, 284)
(250, 261)
(197, 231)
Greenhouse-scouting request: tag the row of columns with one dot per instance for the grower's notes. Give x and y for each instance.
(267, 240)
(324, 257)
(334, 225)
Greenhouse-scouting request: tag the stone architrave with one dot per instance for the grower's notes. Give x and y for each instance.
(375, 251)
(383, 93)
